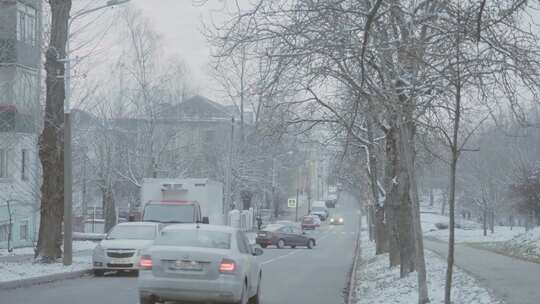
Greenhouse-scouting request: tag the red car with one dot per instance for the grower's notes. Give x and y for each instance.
(308, 223)
(281, 236)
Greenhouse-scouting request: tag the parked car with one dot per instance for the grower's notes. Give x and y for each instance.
(121, 248)
(321, 212)
(200, 263)
(317, 219)
(281, 236)
(336, 220)
(309, 222)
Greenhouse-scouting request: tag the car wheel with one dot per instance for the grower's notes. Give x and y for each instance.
(264, 245)
(280, 243)
(146, 300)
(293, 246)
(311, 243)
(99, 272)
(256, 299)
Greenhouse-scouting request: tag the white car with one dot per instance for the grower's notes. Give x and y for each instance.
(202, 264)
(121, 248)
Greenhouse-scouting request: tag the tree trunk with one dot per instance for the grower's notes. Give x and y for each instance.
(492, 221)
(51, 139)
(484, 220)
(380, 231)
(370, 214)
(381, 242)
(451, 201)
(409, 157)
(406, 233)
(431, 197)
(392, 205)
(451, 241)
(444, 201)
(109, 208)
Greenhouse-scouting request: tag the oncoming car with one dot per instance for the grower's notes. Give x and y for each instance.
(121, 248)
(336, 220)
(201, 264)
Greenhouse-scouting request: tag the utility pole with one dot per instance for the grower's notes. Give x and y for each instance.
(274, 206)
(68, 157)
(228, 173)
(297, 194)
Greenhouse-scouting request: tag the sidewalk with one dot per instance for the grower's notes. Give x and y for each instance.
(378, 283)
(26, 254)
(514, 281)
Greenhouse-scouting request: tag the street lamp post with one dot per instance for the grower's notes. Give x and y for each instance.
(68, 157)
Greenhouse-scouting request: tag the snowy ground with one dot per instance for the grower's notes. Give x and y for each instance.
(380, 284)
(19, 264)
(77, 246)
(525, 246)
(469, 232)
(26, 270)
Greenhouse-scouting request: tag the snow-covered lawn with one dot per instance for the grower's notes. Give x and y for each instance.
(26, 270)
(77, 246)
(469, 232)
(380, 284)
(525, 246)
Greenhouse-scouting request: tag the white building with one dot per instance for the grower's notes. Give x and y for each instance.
(20, 65)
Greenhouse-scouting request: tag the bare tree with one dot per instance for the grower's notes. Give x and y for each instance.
(51, 139)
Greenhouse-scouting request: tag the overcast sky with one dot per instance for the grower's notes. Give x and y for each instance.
(179, 23)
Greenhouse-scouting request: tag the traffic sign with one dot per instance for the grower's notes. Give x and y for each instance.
(291, 203)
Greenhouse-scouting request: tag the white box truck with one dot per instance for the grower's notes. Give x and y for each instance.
(189, 200)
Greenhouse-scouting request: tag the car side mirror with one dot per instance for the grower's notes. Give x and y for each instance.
(303, 232)
(205, 220)
(257, 251)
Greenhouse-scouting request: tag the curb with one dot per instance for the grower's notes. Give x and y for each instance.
(43, 279)
(351, 292)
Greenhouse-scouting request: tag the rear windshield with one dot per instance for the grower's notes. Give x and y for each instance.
(195, 238)
(132, 232)
(308, 219)
(169, 213)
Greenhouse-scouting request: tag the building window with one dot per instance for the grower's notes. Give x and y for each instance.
(24, 165)
(26, 24)
(4, 232)
(23, 231)
(3, 163)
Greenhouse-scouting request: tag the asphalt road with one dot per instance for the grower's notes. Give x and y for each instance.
(512, 280)
(300, 276)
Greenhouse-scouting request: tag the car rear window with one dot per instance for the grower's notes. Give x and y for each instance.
(195, 238)
(308, 219)
(132, 232)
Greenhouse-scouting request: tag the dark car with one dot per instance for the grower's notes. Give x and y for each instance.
(281, 236)
(308, 223)
(331, 203)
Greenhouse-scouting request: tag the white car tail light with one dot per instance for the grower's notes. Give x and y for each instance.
(227, 266)
(146, 262)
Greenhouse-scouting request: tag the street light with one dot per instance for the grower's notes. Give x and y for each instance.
(68, 157)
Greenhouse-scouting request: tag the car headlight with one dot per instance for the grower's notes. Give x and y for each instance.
(331, 220)
(341, 220)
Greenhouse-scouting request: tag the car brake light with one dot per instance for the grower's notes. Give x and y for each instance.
(227, 266)
(146, 262)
